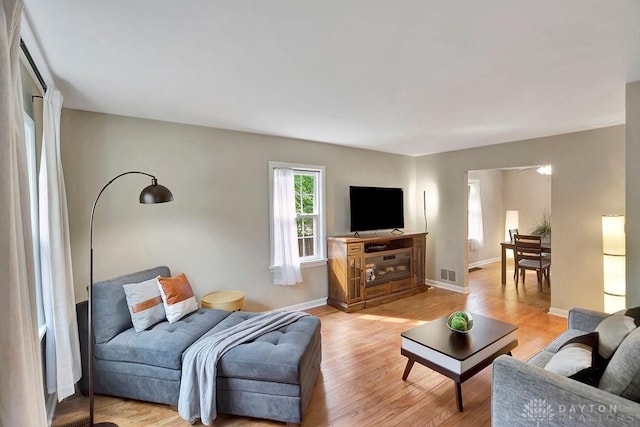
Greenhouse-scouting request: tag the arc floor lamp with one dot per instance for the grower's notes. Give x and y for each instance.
(154, 193)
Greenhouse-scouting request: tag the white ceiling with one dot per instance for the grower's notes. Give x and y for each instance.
(401, 76)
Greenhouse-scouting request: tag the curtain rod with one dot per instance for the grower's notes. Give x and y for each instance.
(23, 46)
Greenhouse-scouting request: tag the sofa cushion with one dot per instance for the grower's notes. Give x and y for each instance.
(576, 358)
(110, 311)
(145, 304)
(163, 344)
(615, 328)
(622, 375)
(277, 356)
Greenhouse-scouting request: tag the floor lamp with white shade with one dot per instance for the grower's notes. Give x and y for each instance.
(154, 193)
(614, 262)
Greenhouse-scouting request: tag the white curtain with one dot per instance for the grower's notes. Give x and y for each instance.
(21, 385)
(286, 258)
(476, 234)
(63, 350)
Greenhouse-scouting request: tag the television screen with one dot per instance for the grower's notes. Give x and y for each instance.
(376, 208)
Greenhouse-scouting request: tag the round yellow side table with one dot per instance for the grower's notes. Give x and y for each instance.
(223, 300)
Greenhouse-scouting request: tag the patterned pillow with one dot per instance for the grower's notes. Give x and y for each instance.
(177, 296)
(145, 303)
(614, 328)
(577, 359)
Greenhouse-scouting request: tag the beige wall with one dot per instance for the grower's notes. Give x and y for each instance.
(216, 230)
(633, 193)
(588, 181)
(528, 192)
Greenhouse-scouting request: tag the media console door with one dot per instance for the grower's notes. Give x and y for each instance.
(367, 271)
(346, 280)
(419, 259)
(355, 276)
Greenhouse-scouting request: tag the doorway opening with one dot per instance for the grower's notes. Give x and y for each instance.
(500, 200)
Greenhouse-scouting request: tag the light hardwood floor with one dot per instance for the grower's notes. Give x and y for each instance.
(360, 381)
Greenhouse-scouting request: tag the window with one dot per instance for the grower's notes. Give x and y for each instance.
(30, 139)
(476, 235)
(29, 89)
(307, 216)
(309, 205)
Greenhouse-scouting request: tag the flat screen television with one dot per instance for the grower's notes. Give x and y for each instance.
(376, 208)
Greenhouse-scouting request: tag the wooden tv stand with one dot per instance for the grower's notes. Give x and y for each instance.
(373, 269)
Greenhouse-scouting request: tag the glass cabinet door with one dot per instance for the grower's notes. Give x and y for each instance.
(354, 279)
(419, 250)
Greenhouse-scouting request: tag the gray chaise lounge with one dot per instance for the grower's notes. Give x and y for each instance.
(525, 394)
(272, 377)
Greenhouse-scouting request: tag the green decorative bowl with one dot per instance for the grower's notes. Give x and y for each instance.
(460, 322)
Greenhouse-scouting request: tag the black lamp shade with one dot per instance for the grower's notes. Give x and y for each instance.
(155, 193)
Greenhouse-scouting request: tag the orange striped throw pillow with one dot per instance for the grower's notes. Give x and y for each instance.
(177, 297)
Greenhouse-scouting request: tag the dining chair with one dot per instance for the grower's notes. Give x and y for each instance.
(513, 232)
(528, 256)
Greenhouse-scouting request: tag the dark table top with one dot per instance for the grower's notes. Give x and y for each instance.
(437, 336)
(546, 245)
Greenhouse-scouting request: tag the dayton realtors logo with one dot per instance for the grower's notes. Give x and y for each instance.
(540, 412)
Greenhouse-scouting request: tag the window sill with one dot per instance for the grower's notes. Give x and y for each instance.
(305, 264)
(313, 263)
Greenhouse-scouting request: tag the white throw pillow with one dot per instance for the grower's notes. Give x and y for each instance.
(145, 304)
(570, 360)
(577, 359)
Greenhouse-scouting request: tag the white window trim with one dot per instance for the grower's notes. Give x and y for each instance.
(321, 257)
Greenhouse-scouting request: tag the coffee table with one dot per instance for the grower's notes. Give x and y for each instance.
(456, 355)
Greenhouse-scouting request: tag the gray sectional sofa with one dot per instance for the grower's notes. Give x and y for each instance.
(525, 394)
(271, 377)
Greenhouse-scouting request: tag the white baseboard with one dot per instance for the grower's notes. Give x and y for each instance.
(305, 305)
(483, 262)
(448, 286)
(559, 312)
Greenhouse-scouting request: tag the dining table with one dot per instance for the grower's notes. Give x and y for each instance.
(546, 247)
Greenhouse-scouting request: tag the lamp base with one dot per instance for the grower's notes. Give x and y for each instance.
(106, 424)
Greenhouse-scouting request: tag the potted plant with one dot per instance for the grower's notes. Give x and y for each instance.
(543, 225)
